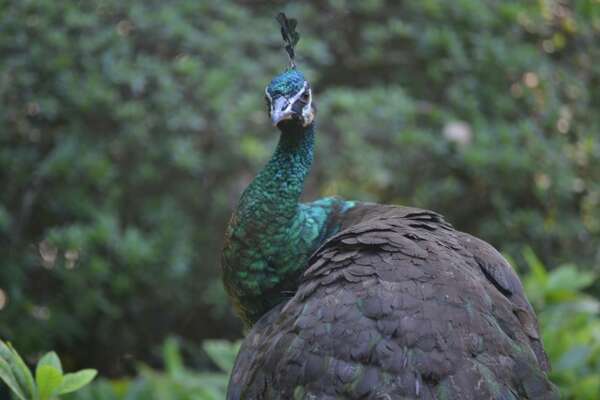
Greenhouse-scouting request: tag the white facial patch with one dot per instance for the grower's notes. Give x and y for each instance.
(281, 108)
(307, 112)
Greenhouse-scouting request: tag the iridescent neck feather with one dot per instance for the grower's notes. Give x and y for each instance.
(271, 235)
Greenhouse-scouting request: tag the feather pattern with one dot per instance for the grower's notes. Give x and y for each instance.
(398, 305)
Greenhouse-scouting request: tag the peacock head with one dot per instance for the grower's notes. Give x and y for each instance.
(289, 99)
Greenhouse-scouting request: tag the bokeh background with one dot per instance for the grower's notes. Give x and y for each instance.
(128, 129)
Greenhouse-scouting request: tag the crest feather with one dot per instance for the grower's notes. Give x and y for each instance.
(289, 35)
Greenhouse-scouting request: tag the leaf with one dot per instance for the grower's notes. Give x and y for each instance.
(76, 380)
(537, 268)
(9, 379)
(52, 359)
(19, 369)
(172, 356)
(569, 278)
(574, 359)
(222, 353)
(4, 351)
(48, 380)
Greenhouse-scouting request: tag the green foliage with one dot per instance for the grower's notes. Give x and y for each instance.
(50, 381)
(128, 129)
(570, 322)
(175, 383)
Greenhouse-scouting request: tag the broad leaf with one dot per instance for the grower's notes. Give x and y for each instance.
(19, 370)
(76, 380)
(4, 351)
(172, 357)
(9, 379)
(48, 380)
(538, 270)
(51, 359)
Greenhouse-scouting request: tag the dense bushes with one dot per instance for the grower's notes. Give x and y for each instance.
(570, 323)
(175, 383)
(129, 128)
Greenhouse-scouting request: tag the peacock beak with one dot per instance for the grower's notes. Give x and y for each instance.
(281, 110)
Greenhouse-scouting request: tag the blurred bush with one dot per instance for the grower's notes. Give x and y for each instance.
(129, 128)
(570, 323)
(175, 383)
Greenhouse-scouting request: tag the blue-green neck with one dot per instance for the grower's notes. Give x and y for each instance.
(271, 235)
(277, 188)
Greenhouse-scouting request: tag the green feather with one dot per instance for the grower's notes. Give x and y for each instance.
(272, 235)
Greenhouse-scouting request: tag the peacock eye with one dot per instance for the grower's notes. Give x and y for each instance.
(305, 96)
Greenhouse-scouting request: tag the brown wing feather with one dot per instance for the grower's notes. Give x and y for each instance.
(398, 305)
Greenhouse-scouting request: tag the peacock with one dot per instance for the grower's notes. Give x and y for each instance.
(354, 300)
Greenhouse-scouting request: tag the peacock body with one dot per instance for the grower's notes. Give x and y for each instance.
(352, 300)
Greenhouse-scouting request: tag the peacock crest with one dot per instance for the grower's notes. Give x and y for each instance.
(289, 36)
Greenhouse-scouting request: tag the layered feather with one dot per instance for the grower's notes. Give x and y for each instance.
(398, 305)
